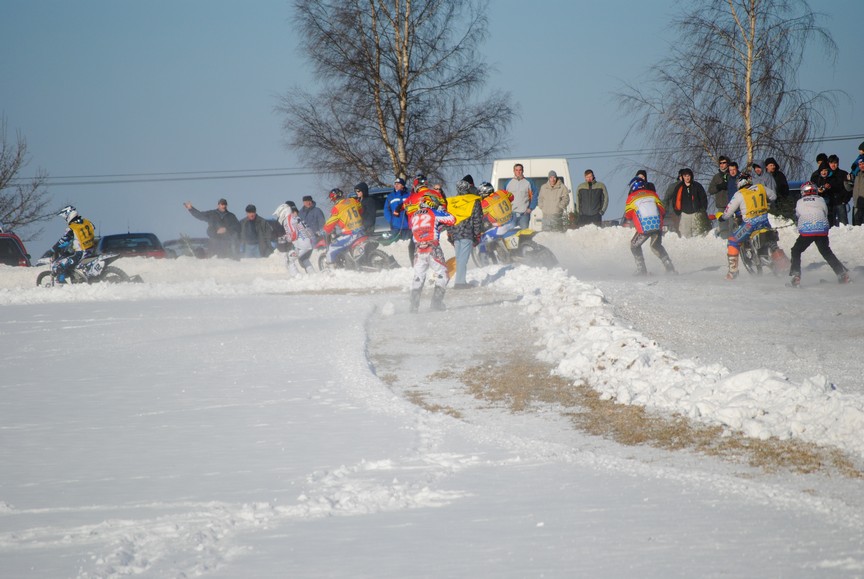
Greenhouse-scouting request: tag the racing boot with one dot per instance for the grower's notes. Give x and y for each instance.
(779, 261)
(733, 267)
(438, 299)
(796, 278)
(415, 301)
(670, 269)
(844, 278)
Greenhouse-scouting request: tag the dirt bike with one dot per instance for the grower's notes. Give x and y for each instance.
(361, 255)
(91, 269)
(756, 255)
(512, 246)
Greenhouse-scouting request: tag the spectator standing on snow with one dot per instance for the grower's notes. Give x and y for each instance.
(644, 209)
(394, 210)
(553, 200)
(718, 192)
(842, 190)
(464, 234)
(524, 196)
(690, 204)
(367, 205)
(255, 234)
(223, 229)
(811, 213)
(858, 194)
(591, 199)
(314, 219)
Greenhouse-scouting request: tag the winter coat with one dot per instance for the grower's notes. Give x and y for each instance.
(395, 203)
(553, 200)
(369, 210)
(718, 187)
(858, 192)
(690, 199)
(591, 198)
(261, 232)
(313, 217)
(217, 219)
(468, 215)
(781, 184)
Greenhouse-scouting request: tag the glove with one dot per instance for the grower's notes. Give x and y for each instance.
(719, 216)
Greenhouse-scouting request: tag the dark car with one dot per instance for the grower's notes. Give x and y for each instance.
(12, 251)
(187, 246)
(131, 245)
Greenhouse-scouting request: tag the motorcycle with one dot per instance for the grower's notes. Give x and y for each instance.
(756, 255)
(512, 246)
(361, 255)
(91, 269)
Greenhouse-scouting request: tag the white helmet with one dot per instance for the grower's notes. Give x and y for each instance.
(68, 213)
(282, 212)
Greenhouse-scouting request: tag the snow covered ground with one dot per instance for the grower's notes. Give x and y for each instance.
(220, 419)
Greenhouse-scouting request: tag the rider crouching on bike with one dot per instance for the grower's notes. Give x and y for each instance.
(751, 203)
(345, 224)
(812, 216)
(79, 238)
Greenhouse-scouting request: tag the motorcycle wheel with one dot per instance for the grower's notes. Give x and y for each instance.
(494, 257)
(322, 262)
(375, 260)
(750, 261)
(535, 254)
(44, 279)
(114, 275)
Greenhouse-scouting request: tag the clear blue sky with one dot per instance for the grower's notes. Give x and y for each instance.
(107, 87)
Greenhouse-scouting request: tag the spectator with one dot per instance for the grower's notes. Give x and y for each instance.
(690, 204)
(644, 208)
(223, 228)
(858, 194)
(255, 234)
(467, 228)
(314, 219)
(785, 204)
(591, 200)
(553, 200)
(671, 218)
(820, 159)
(524, 196)
(812, 220)
(762, 177)
(853, 171)
(718, 193)
(825, 186)
(394, 210)
(842, 186)
(367, 206)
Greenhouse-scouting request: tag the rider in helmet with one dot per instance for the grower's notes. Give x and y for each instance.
(297, 236)
(751, 203)
(426, 224)
(412, 204)
(644, 208)
(78, 241)
(811, 213)
(345, 224)
(497, 207)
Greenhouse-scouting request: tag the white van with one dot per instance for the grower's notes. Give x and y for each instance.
(538, 171)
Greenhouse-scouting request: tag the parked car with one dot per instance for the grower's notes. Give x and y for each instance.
(187, 246)
(12, 251)
(131, 245)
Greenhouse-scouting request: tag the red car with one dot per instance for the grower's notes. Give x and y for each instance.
(12, 251)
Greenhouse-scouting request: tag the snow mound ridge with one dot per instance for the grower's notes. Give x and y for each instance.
(581, 336)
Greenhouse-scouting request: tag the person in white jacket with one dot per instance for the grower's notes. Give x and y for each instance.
(811, 213)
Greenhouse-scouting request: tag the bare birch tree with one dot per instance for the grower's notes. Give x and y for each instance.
(730, 87)
(399, 86)
(23, 201)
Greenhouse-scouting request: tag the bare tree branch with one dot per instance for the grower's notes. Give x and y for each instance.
(730, 87)
(400, 81)
(22, 201)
